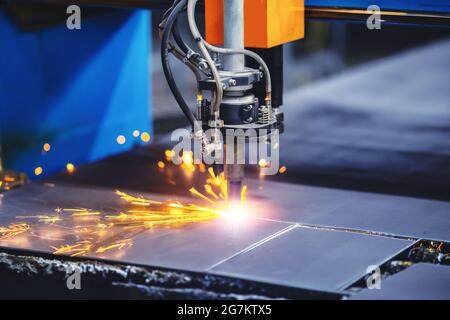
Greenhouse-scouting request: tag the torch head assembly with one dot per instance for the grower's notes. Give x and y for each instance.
(227, 106)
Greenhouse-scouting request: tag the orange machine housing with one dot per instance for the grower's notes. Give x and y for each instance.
(268, 23)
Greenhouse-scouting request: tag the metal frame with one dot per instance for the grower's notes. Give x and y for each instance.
(311, 12)
(386, 15)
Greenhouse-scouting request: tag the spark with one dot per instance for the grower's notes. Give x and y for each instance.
(71, 209)
(170, 154)
(213, 175)
(70, 168)
(38, 171)
(195, 192)
(219, 182)
(283, 170)
(121, 139)
(43, 218)
(9, 179)
(435, 246)
(209, 190)
(263, 163)
(202, 168)
(78, 249)
(161, 165)
(188, 157)
(216, 185)
(14, 230)
(136, 133)
(46, 147)
(161, 214)
(82, 212)
(115, 231)
(188, 162)
(145, 137)
(224, 186)
(135, 200)
(244, 194)
(118, 245)
(236, 212)
(50, 219)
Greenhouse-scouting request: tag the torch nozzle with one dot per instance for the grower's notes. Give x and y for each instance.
(234, 190)
(234, 174)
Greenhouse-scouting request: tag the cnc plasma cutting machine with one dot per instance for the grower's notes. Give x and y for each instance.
(222, 72)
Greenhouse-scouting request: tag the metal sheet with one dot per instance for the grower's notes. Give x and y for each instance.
(419, 282)
(418, 218)
(309, 258)
(194, 246)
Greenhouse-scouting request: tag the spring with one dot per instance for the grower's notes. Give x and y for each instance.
(264, 115)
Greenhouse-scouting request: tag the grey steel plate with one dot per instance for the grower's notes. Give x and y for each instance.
(194, 246)
(311, 258)
(421, 281)
(276, 252)
(404, 216)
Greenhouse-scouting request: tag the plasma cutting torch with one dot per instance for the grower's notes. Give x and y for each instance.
(225, 97)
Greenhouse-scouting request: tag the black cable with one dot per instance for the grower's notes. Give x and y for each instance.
(166, 66)
(166, 13)
(178, 40)
(182, 45)
(176, 32)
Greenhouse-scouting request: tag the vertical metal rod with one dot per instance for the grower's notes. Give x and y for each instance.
(234, 33)
(234, 173)
(234, 39)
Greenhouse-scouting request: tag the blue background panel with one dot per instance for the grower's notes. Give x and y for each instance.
(75, 89)
(401, 5)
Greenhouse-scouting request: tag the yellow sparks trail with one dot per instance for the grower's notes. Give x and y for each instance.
(244, 193)
(10, 180)
(435, 246)
(132, 222)
(82, 212)
(43, 218)
(209, 190)
(119, 245)
(112, 231)
(200, 195)
(135, 200)
(100, 232)
(14, 230)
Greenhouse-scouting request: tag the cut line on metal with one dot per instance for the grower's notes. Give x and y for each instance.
(342, 229)
(255, 245)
